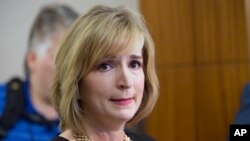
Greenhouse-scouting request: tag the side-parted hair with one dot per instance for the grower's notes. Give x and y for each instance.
(101, 32)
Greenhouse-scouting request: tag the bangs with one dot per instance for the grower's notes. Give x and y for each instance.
(108, 35)
(114, 43)
(123, 43)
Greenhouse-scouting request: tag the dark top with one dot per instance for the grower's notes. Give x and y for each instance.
(133, 137)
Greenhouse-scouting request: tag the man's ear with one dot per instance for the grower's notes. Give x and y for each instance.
(31, 59)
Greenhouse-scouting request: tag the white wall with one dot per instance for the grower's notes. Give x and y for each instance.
(16, 18)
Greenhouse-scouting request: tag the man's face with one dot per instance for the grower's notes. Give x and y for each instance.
(41, 65)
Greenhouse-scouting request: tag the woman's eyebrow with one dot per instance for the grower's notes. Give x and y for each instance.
(133, 56)
(136, 57)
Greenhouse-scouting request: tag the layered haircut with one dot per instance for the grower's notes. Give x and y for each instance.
(101, 32)
(50, 20)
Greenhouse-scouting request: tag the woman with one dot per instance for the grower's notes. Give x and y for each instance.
(105, 76)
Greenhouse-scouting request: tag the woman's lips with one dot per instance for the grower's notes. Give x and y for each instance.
(122, 101)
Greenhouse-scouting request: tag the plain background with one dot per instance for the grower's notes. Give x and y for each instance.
(16, 18)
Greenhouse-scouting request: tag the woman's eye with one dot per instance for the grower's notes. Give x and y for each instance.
(104, 67)
(135, 64)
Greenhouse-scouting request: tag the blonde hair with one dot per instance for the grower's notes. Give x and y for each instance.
(100, 32)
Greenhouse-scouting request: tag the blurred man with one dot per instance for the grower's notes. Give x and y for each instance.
(25, 106)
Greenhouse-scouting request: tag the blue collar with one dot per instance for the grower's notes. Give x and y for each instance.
(28, 104)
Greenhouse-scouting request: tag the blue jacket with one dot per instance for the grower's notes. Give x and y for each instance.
(26, 130)
(243, 115)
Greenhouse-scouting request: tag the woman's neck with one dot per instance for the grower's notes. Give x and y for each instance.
(97, 132)
(97, 136)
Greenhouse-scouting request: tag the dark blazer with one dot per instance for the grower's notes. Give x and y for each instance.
(243, 115)
(133, 137)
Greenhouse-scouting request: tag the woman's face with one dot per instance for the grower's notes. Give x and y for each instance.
(114, 88)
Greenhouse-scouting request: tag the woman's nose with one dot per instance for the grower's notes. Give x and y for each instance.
(124, 79)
